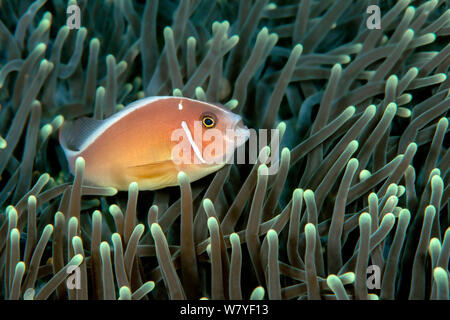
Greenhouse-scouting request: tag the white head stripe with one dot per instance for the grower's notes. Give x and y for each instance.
(180, 106)
(191, 141)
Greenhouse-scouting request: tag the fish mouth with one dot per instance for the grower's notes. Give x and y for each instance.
(241, 132)
(237, 134)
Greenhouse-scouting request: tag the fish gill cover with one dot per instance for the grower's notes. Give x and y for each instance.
(357, 210)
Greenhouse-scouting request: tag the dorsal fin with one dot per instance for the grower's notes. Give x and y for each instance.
(75, 133)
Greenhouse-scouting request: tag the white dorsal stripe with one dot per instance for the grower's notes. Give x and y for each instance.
(191, 141)
(180, 106)
(108, 122)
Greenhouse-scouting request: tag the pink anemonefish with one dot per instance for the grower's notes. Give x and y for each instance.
(151, 140)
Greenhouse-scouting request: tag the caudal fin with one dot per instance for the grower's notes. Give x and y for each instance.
(72, 136)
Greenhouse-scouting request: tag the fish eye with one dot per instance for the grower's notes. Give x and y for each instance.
(208, 121)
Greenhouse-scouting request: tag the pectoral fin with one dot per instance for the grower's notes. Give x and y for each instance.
(161, 170)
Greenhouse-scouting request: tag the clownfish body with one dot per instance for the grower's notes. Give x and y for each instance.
(151, 140)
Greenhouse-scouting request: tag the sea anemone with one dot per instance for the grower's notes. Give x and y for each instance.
(358, 208)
